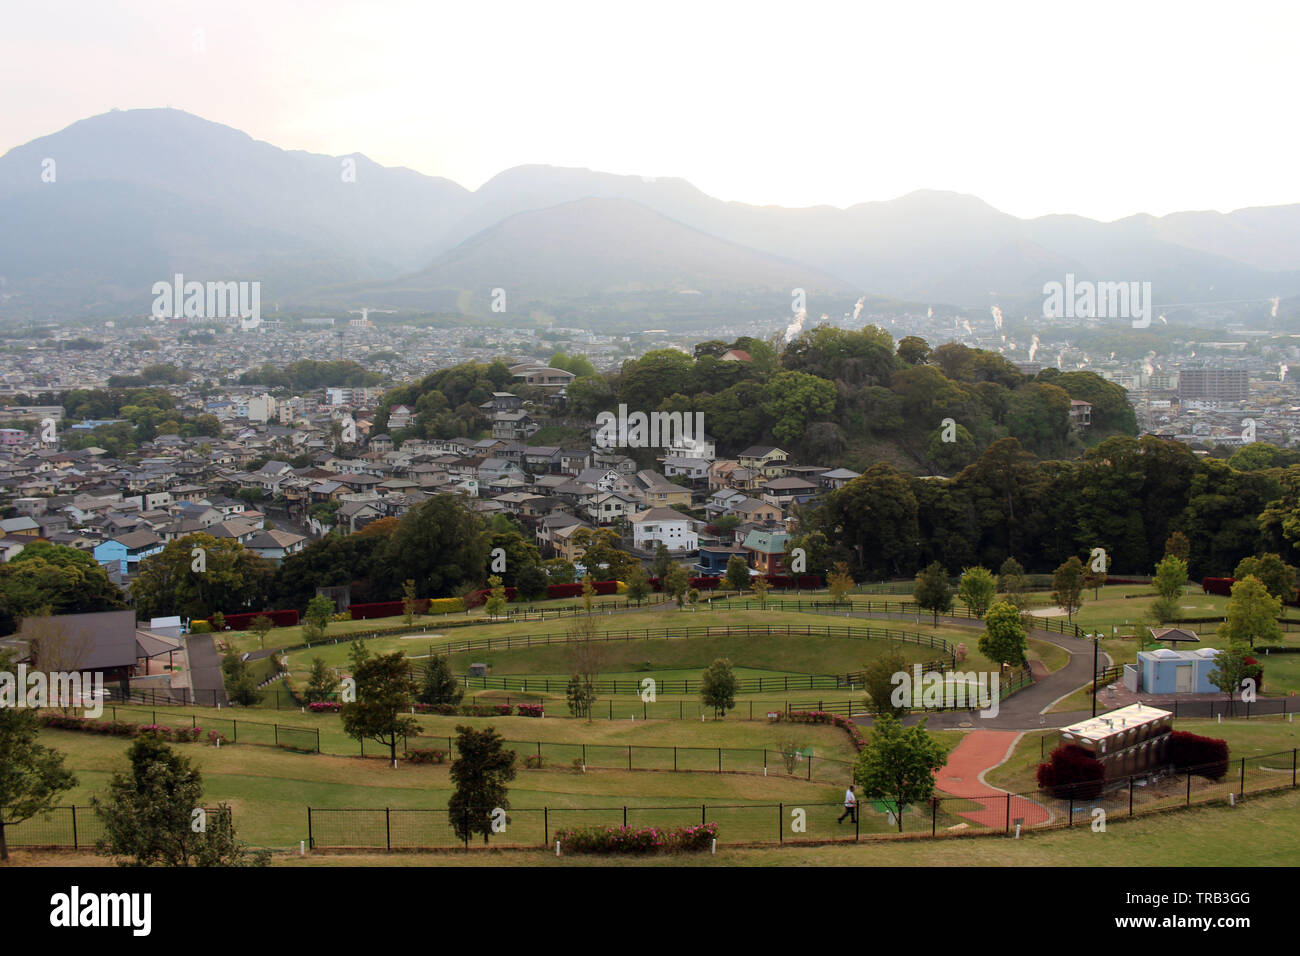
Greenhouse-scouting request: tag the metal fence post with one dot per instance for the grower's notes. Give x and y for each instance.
(311, 840)
(1008, 829)
(1242, 792)
(780, 823)
(719, 760)
(546, 826)
(388, 829)
(1130, 795)
(1071, 808)
(1189, 788)
(74, 826)
(934, 814)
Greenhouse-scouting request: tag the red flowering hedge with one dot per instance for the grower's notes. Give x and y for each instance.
(633, 840)
(1205, 756)
(1220, 586)
(530, 710)
(1071, 772)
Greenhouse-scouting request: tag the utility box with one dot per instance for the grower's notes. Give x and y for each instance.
(478, 670)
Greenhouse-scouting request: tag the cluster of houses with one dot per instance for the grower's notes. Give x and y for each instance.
(242, 485)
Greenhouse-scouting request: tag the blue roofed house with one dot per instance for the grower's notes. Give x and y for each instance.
(125, 552)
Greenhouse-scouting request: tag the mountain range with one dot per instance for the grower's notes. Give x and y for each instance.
(93, 215)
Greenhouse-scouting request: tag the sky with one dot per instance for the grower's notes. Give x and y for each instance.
(1099, 109)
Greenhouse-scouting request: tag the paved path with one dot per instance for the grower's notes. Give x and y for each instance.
(1025, 709)
(963, 776)
(207, 681)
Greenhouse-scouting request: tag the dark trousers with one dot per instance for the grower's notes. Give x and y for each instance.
(850, 811)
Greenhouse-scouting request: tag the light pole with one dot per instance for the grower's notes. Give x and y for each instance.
(1096, 643)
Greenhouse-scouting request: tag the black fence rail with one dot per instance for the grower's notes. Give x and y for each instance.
(681, 685)
(511, 642)
(70, 827)
(236, 730)
(945, 815)
(797, 762)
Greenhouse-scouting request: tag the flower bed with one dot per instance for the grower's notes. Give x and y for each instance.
(486, 710)
(325, 707)
(634, 840)
(530, 710)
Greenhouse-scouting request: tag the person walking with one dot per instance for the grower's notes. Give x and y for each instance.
(850, 806)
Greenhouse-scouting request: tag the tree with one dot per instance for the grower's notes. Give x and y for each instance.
(1012, 582)
(737, 574)
(495, 606)
(761, 586)
(479, 774)
(601, 554)
(675, 582)
(440, 544)
(240, 685)
(261, 626)
(320, 610)
(65, 580)
(840, 582)
(385, 689)
(586, 657)
(1095, 577)
(878, 682)
(638, 584)
(358, 654)
(1004, 637)
(932, 591)
(198, 574)
(1067, 581)
(531, 582)
(1178, 546)
(718, 686)
(662, 561)
(409, 604)
(440, 685)
(1275, 574)
(588, 593)
(1233, 666)
(218, 621)
(1170, 579)
(977, 589)
(1252, 614)
(32, 776)
(321, 682)
(153, 814)
(898, 764)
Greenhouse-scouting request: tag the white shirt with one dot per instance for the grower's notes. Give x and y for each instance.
(849, 798)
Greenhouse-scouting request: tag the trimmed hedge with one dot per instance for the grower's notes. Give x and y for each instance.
(1071, 772)
(241, 621)
(122, 728)
(634, 840)
(822, 717)
(1204, 756)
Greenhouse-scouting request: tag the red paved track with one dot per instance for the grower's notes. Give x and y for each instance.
(979, 751)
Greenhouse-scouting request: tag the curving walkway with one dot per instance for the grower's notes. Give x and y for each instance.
(1025, 709)
(963, 776)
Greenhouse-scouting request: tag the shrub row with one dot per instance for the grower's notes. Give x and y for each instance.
(122, 728)
(633, 840)
(835, 720)
(421, 755)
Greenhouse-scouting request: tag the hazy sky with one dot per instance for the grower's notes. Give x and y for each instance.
(1102, 109)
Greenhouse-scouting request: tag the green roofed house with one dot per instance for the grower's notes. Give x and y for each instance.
(766, 550)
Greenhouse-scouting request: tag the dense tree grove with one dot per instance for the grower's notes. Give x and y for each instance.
(1126, 495)
(828, 394)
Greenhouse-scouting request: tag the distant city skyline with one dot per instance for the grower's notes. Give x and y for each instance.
(1114, 111)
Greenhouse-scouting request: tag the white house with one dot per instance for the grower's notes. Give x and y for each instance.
(674, 529)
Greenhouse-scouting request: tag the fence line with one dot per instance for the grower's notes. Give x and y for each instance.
(387, 828)
(71, 826)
